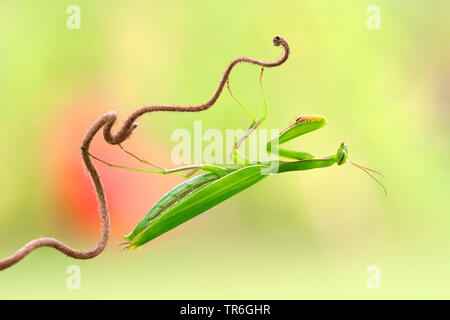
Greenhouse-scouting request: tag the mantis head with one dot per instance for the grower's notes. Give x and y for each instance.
(342, 154)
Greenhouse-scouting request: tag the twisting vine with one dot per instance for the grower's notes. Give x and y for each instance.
(107, 122)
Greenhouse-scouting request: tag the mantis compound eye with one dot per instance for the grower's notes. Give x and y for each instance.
(342, 153)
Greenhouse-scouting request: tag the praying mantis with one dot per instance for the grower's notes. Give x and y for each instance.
(199, 193)
(218, 183)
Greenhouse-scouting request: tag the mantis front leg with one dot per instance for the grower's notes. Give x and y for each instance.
(301, 126)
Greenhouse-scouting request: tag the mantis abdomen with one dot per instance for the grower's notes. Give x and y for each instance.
(191, 198)
(170, 199)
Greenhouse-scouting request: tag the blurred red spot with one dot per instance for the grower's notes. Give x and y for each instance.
(129, 194)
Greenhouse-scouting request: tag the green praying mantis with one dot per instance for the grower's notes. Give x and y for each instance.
(218, 183)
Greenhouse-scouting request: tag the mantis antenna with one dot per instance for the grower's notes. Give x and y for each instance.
(368, 170)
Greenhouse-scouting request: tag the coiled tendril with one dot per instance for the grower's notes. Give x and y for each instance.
(107, 122)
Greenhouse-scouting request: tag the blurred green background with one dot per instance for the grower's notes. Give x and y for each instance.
(309, 234)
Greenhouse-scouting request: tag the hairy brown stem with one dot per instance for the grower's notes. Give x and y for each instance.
(107, 122)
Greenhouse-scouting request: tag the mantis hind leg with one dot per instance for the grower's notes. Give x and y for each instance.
(195, 168)
(139, 158)
(149, 163)
(220, 171)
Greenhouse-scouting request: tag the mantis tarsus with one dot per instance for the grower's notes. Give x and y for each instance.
(218, 183)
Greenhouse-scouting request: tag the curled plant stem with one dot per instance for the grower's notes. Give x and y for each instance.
(107, 122)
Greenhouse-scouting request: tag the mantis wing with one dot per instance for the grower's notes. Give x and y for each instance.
(197, 202)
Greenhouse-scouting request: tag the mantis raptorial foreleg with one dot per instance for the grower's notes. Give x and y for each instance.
(310, 123)
(301, 126)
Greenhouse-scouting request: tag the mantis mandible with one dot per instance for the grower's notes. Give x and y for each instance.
(218, 183)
